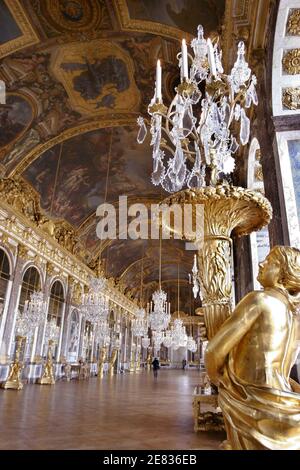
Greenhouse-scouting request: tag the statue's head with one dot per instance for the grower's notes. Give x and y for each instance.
(281, 268)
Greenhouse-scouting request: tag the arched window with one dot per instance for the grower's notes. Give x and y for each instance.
(31, 283)
(56, 303)
(4, 278)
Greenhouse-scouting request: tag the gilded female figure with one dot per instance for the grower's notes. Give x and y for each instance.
(251, 356)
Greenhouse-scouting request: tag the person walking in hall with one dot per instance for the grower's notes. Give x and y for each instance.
(155, 365)
(183, 364)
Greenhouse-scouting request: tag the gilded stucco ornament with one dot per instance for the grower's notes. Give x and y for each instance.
(291, 62)
(293, 25)
(291, 98)
(251, 356)
(226, 208)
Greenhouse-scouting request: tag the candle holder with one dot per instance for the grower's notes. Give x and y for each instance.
(112, 361)
(101, 362)
(48, 373)
(14, 377)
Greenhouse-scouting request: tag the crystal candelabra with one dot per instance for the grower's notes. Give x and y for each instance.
(95, 305)
(140, 323)
(102, 333)
(176, 337)
(159, 314)
(52, 335)
(145, 342)
(194, 148)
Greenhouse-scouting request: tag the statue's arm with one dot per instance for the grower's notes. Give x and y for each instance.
(231, 332)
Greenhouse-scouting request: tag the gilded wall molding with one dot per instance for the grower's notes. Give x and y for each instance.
(28, 37)
(293, 24)
(291, 62)
(291, 98)
(33, 241)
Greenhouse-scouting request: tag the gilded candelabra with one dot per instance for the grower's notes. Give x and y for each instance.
(14, 377)
(48, 372)
(112, 361)
(102, 359)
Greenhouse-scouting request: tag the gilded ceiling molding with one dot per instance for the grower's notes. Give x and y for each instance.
(27, 160)
(291, 62)
(28, 37)
(291, 98)
(293, 24)
(144, 26)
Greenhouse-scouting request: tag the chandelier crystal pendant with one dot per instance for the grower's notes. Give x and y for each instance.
(102, 332)
(185, 144)
(195, 280)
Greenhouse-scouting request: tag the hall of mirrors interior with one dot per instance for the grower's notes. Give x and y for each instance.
(111, 112)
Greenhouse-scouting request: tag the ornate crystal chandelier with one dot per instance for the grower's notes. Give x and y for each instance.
(33, 314)
(145, 342)
(95, 305)
(140, 323)
(176, 337)
(52, 330)
(186, 142)
(102, 332)
(160, 315)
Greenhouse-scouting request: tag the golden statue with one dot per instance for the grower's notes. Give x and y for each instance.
(251, 356)
(112, 361)
(48, 372)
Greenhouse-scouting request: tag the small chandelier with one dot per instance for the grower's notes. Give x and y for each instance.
(95, 305)
(159, 316)
(102, 332)
(145, 342)
(186, 144)
(33, 314)
(52, 330)
(140, 323)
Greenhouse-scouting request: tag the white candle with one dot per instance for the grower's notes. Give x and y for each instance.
(211, 58)
(158, 81)
(184, 58)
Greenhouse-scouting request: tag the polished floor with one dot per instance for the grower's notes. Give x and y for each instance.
(128, 411)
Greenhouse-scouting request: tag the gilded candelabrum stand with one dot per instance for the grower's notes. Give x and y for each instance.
(112, 361)
(14, 378)
(48, 373)
(102, 358)
(226, 208)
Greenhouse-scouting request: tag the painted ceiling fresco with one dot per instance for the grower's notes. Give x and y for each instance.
(178, 13)
(75, 89)
(9, 28)
(81, 171)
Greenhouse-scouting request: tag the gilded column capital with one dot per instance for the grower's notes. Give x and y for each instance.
(23, 251)
(50, 269)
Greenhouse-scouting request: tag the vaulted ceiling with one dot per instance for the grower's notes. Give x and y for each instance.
(78, 74)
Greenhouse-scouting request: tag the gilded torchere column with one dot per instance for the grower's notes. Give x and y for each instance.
(226, 208)
(102, 359)
(14, 377)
